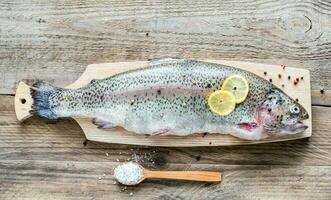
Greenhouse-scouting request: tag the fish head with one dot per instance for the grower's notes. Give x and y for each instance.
(280, 115)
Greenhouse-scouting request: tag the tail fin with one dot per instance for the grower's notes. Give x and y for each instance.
(40, 93)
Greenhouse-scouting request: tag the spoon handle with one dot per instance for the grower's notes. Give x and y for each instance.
(185, 175)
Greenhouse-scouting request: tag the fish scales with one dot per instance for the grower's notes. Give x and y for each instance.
(170, 97)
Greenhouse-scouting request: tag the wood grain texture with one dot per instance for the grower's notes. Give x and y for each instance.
(55, 41)
(204, 176)
(119, 135)
(41, 159)
(81, 180)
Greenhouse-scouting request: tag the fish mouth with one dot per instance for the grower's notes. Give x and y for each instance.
(296, 128)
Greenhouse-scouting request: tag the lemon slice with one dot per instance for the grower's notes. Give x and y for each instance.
(221, 102)
(238, 86)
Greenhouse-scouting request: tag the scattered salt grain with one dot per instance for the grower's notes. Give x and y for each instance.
(131, 193)
(107, 154)
(129, 173)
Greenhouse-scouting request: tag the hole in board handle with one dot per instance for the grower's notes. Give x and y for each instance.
(23, 101)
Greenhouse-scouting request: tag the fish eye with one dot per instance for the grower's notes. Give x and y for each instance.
(295, 109)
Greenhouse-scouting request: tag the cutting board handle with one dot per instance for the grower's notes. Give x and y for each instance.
(23, 101)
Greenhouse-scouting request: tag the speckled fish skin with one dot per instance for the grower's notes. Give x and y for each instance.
(170, 97)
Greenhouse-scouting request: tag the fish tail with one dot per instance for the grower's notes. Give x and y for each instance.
(41, 93)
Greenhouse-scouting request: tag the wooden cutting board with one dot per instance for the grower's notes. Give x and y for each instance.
(301, 91)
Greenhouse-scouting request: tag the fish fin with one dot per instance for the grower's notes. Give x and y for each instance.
(160, 132)
(248, 126)
(40, 93)
(163, 60)
(102, 123)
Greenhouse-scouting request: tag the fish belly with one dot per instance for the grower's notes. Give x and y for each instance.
(168, 113)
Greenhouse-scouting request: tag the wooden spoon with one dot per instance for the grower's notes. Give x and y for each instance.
(124, 172)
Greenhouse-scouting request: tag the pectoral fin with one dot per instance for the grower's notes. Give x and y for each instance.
(248, 126)
(102, 123)
(162, 131)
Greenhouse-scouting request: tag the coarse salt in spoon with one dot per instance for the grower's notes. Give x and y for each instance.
(132, 174)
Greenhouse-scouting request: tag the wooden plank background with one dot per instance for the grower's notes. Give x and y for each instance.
(55, 40)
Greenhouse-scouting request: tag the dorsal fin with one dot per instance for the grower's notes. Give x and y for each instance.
(164, 60)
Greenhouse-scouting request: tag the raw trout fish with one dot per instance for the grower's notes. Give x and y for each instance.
(170, 98)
